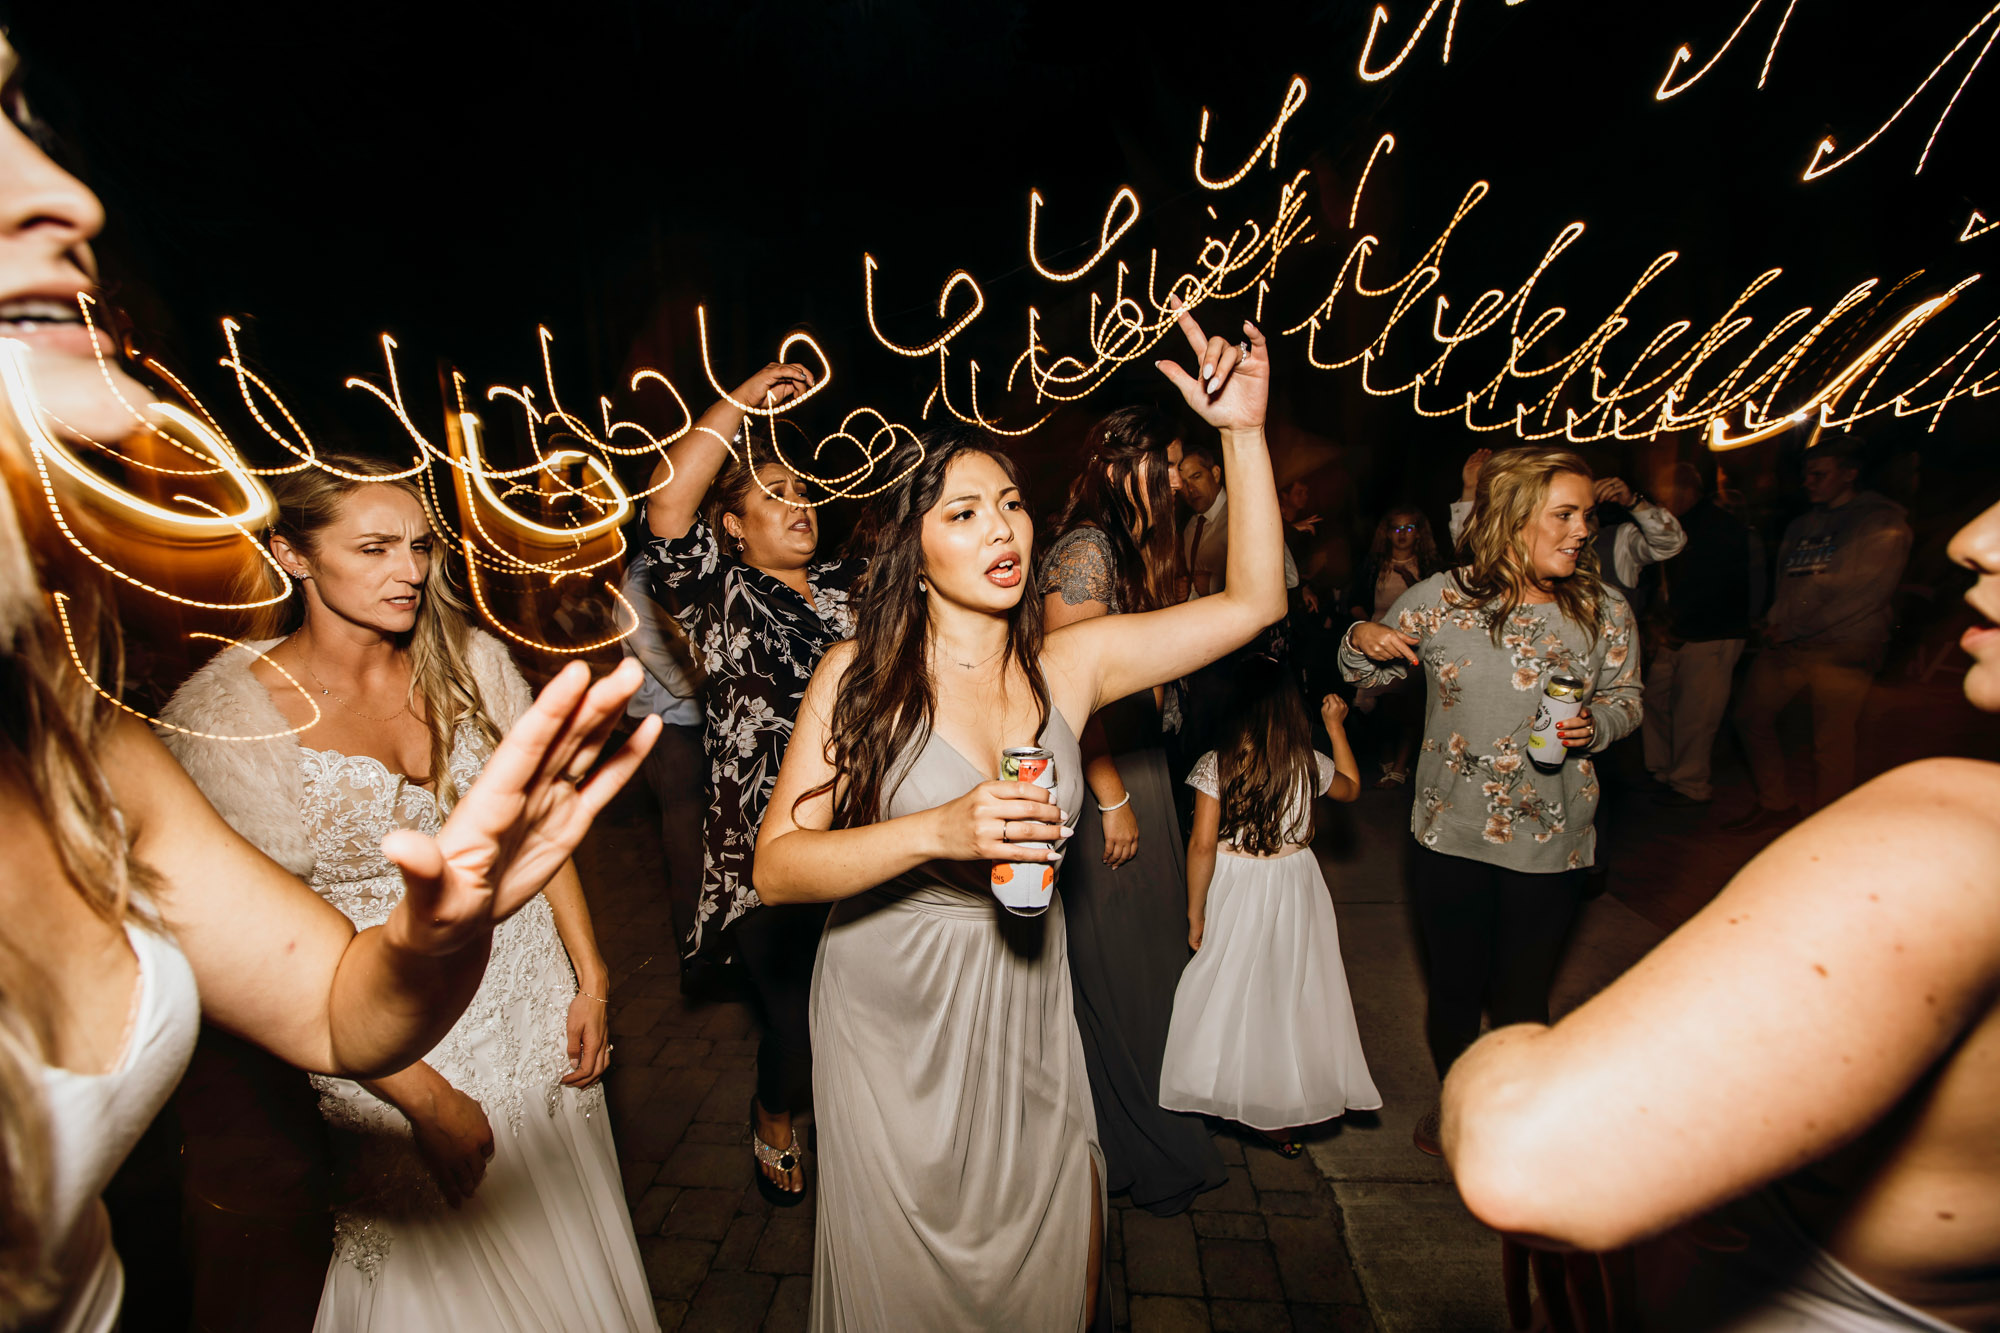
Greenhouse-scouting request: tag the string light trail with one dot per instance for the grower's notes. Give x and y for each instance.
(1381, 16)
(1820, 165)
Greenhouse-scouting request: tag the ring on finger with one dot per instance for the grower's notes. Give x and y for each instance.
(1243, 346)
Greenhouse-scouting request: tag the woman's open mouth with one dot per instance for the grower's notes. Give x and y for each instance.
(1006, 571)
(45, 322)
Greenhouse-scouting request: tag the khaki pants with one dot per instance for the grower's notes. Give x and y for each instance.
(1836, 680)
(1687, 696)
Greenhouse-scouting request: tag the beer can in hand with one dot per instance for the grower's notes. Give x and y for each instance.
(1562, 699)
(1024, 887)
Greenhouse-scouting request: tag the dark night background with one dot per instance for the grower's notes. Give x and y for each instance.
(455, 174)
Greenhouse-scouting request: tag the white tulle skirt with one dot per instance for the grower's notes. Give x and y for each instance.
(1263, 1030)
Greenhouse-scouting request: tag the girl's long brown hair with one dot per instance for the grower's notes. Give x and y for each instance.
(1264, 767)
(1123, 491)
(1512, 489)
(887, 700)
(441, 679)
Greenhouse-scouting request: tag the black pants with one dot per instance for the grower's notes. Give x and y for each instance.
(776, 945)
(1493, 937)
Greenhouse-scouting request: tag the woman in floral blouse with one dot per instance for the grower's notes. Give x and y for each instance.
(1501, 845)
(759, 611)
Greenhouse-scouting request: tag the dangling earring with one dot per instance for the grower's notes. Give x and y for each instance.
(922, 586)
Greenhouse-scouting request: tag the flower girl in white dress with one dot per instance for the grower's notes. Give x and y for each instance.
(482, 1186)
(1263, 1030)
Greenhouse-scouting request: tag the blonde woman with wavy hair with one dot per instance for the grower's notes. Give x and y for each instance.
(490, 1187)
(1502, 846)
(130, 910)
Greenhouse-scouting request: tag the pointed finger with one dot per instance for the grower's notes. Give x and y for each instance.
(1190, 326)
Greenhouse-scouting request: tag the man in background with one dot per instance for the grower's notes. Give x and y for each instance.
(1828, 630)
(1708, 595)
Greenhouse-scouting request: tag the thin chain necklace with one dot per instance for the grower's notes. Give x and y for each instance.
(973, 666)
(306, 661)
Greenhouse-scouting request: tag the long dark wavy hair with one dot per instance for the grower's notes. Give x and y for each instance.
(887, 700)
(1131, 502)
(1264, 766)
(1498, 570)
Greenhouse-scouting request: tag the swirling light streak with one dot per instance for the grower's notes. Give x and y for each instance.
(1107, 236)
(1977, 226)
(61, 602)
(1295, 97)
(1381, 16)
(1385, 144)
(1814, 169)
(1819, 165)
(1675, 382)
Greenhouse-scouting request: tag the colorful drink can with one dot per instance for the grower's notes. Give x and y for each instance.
(1025, 887)
(1562, 699)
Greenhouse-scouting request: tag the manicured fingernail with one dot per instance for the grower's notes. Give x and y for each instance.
(1211, 384)
(1208, 369)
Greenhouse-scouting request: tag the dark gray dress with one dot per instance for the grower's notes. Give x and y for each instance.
(1128, 935)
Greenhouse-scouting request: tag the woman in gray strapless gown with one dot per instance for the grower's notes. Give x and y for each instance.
(960, 1180)
(950, 1095)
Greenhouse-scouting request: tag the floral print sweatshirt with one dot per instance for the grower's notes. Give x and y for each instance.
(1477, 795)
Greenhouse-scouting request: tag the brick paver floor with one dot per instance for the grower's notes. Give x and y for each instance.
(1263, 1252)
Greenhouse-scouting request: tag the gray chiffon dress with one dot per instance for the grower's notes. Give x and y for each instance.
(956, 1136)
(1128, 933)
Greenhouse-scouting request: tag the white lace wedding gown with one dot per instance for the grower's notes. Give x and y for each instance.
(545, 1243)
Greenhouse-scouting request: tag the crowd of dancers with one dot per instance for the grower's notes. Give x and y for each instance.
(371, 877)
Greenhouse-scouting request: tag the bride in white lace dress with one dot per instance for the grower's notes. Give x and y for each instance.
(481, 1186)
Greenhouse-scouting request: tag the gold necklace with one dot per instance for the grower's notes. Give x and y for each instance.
(306, 662)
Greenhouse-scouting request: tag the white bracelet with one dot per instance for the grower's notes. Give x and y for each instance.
(1107, 809)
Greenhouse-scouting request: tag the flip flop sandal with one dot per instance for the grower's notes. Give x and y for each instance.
(786, 1160)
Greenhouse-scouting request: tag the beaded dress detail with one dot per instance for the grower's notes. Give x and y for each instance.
(353, 802)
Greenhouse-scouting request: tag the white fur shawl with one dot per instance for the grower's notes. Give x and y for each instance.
(256, 785)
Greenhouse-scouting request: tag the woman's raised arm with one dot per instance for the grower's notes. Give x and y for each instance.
(802, 858)
(694, 460)
(278, 965)
(1116, 655)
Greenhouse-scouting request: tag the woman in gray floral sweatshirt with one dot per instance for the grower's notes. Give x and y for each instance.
(1502, 845)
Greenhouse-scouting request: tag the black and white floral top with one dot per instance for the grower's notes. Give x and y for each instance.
(1477, 795)
(758, 641)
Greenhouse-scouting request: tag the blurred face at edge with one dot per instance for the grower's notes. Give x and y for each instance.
(1977, 547)
(47, 220)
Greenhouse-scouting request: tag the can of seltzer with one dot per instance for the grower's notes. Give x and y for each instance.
(1024, 887)
(1562, 699)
